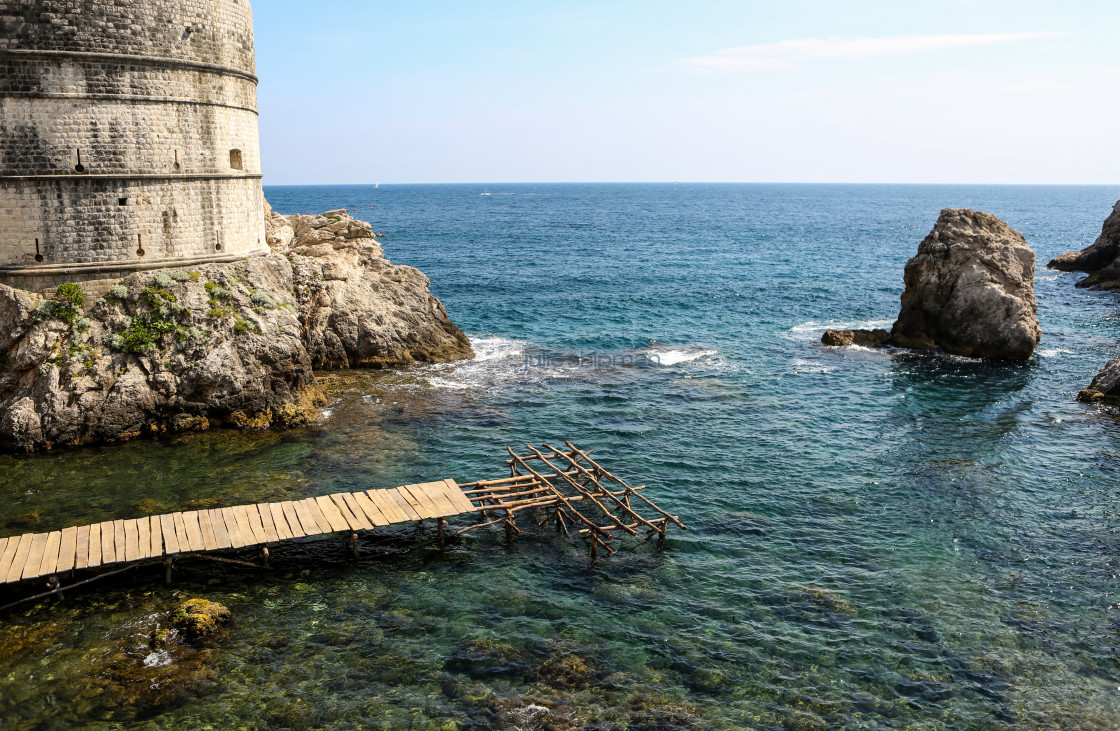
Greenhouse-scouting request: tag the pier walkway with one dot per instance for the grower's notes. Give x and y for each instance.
(570, 489)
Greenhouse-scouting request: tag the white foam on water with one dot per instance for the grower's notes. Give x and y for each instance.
(808, 366)
(814, 329)
(158, 659)
(1054, 352)
(676, 356)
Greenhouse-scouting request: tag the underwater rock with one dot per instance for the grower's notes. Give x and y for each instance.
(224, 345)
(1101, 259)
(821, 598)
(198, 619)
(654, 713)
(486, 659)
(531, 713)
(568, 672)
(970, 290)
(865, 338)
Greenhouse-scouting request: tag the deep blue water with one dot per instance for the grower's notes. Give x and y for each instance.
(876, 539)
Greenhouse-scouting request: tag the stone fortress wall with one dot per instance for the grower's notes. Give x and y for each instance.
(128, 138)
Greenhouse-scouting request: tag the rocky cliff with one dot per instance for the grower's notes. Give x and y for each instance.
(220, 345)
(969, 291)
(1101, 259)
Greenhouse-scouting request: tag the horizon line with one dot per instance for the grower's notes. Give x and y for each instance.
(685, 182)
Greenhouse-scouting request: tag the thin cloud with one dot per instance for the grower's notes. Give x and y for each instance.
(793, 54)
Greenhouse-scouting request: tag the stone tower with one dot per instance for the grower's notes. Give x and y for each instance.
(128, 138)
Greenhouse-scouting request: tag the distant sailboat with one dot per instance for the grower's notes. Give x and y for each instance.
(377, 185)
(485, 192)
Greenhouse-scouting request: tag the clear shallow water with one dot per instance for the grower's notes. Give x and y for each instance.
(877, 539)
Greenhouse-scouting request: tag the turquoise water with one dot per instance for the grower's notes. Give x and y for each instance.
(876, 539)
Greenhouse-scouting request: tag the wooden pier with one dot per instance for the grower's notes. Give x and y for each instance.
(581, 498)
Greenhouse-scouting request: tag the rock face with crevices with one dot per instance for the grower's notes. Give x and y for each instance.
(969, 291)
(221, 345)
(1101, 259)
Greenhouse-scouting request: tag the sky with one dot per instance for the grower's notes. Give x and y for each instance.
(945, 91)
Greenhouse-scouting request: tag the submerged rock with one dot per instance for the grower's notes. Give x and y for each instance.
(224, 345)
(969, 291)
(865, 338)
(198, 619)
(1101, 259)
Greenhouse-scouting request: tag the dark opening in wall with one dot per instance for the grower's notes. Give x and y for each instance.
(217, 247)
(38, 255)
(139, 245)
(235, 160)
(177, 165)
(79, 167)
(122, 201)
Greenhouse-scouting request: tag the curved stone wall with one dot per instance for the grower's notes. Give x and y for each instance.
(128, 137)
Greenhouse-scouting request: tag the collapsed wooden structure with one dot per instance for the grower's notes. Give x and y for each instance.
(566, 487)
(569, 487)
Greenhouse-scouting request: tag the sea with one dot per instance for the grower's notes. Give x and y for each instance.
(875, 538)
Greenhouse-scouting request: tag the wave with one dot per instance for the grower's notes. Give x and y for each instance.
(675, 356)
(1054, 352)
(813, 328)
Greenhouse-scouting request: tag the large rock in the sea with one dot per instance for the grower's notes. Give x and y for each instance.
(226, 344)
(1101, 259)
(970, 290)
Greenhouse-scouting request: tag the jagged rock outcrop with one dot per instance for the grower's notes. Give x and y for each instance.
(1101, 259)
(224, 344)
(969, 291)
(1105, 388)
(864, 338)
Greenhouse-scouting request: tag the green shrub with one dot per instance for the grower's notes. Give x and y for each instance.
(246, 326)
(260, 298)
(180, 276)
(116, 293)
(163, 280)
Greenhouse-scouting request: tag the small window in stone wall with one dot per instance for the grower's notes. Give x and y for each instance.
(235, 160)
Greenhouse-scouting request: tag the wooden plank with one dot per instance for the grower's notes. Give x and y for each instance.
(267, 522)
(118, 539)
(354, 509)
(131, 541)
(194, 531)
(209, 540)
(144, 528)
(406, 503)
(393, 507)
(372, 511)
(435, 492)
(67, 550)
(81, 552)
(235, 538)
(256, 528)
(19, 558)
(156, 527)
(292, 515)
(93, 559)
(354, 521)
(35, 556)
(316, 514)
(283, 532)
(221, 534)
(7, 557)
(422, 502)
(181, 536)
(4, 543)
(50, 555)
(401, 504)
(244, 530)
(108, 544)
(332, 514)
(167, 529)
(457, 497)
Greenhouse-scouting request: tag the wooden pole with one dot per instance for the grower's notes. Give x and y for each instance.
(167, 570)
(354, 543)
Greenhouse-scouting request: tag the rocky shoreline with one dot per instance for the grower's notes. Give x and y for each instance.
(223, 345)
